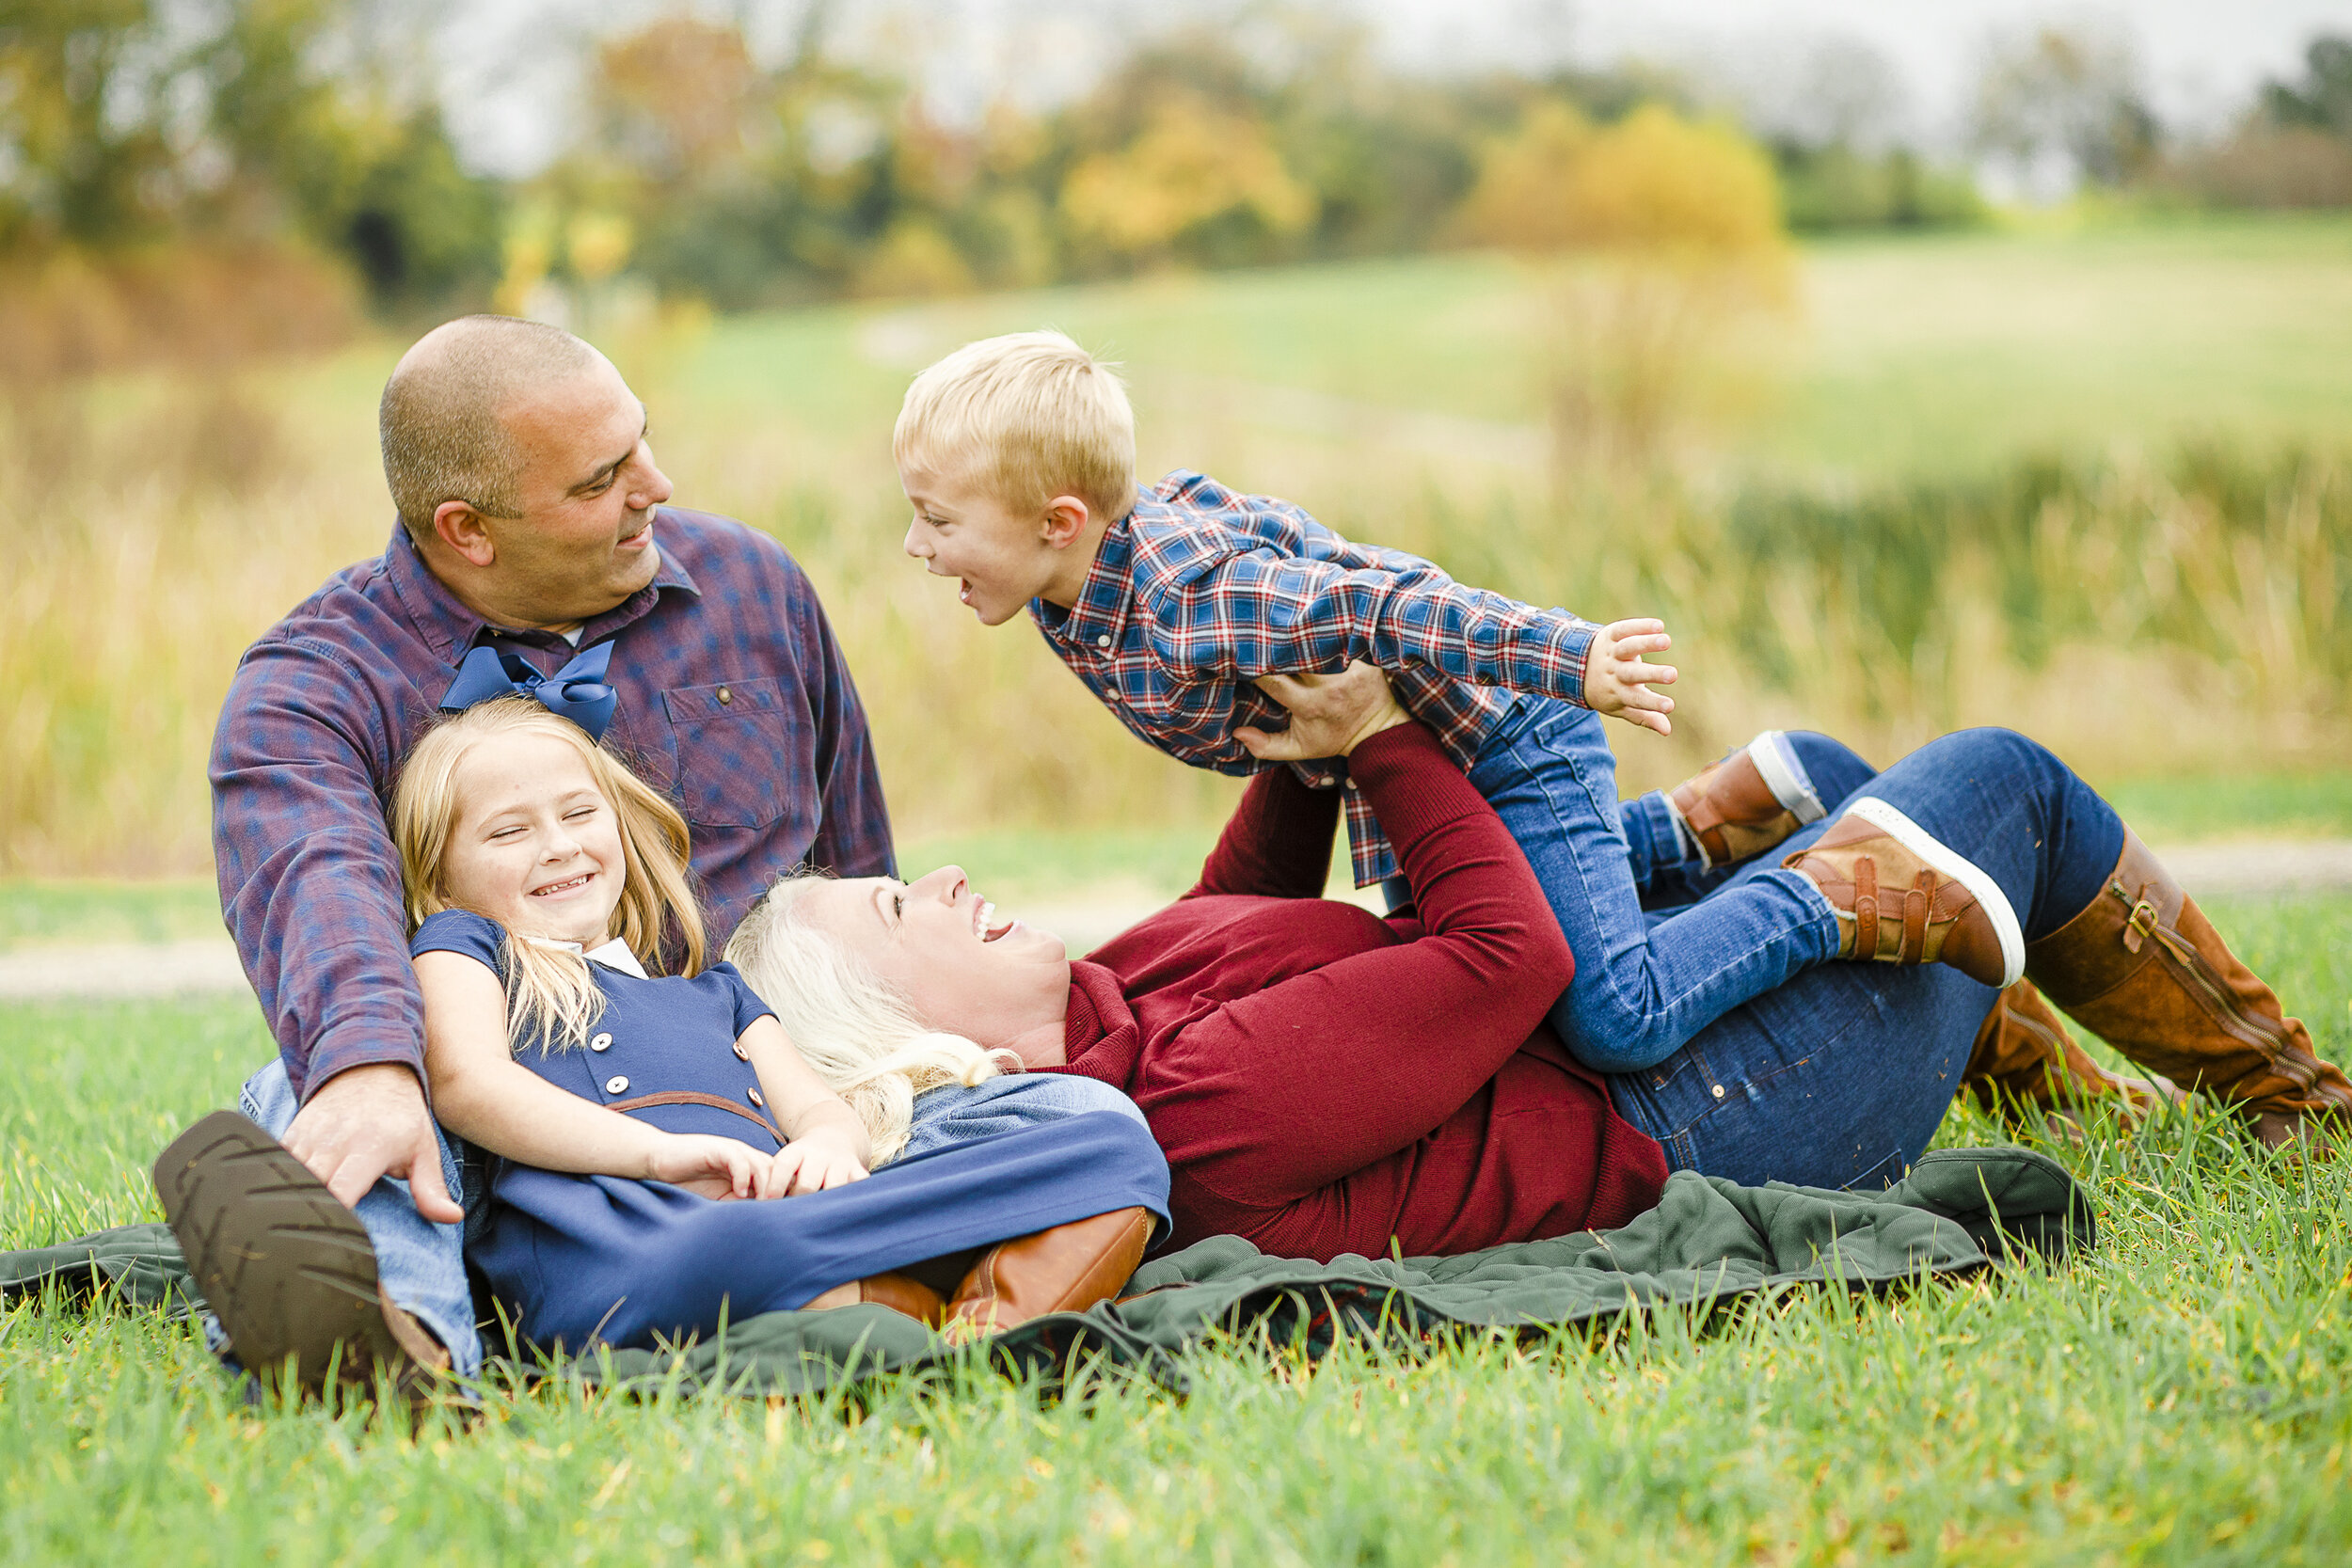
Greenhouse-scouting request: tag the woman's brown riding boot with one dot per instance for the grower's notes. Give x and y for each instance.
(1067, 1269)
(2144, 969)
(2026, 1060)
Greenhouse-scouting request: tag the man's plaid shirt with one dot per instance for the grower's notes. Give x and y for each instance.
(1197, 591)
(734, 702)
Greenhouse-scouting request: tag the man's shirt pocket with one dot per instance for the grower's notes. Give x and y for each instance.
(740, 743)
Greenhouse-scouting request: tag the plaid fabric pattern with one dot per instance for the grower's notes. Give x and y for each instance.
(733, 698)
(1197, 591)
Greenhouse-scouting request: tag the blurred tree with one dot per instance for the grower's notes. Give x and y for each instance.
(84, 157)
(126, 123)
(2322, 100)
(1654, 236)
(2064, 94)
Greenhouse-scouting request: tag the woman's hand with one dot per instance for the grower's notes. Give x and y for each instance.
(709, 1166)
(1330, 715)
(822, 1158)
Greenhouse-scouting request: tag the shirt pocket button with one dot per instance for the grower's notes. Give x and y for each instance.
(616, 1084)
(601, 1042)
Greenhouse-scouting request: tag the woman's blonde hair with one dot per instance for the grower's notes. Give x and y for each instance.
(857, 1033)
(550, 995)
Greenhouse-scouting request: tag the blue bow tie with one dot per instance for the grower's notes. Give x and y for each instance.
(577, 691)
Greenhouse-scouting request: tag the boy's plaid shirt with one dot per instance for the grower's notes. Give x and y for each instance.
(1197, 591)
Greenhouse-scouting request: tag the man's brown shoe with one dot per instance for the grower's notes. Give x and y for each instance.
(1738, 808)
(2025, 1061)
(2144, 969)
(1902, 897)
(1066, 1269)
(287, 1269)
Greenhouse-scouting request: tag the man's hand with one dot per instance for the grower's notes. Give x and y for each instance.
(1619, 677)
(1330, 715)
(367, 1122)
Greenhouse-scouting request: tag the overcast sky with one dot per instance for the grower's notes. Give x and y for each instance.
(512, 63)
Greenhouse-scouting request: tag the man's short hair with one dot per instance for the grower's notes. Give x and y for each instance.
(1029, 415)
(439, 421)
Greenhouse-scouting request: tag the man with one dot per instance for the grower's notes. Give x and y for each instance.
(532, 521)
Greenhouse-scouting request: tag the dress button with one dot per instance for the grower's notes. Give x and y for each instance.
(725, 696)
(618, 1084)
(753, 1094)
(601, 1042)
(1719, 1091)
(741, 1055)
(1103, 640)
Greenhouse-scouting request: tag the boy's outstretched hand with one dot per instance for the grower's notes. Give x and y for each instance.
(1618, 675)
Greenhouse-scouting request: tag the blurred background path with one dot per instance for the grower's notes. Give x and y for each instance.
(41, 971)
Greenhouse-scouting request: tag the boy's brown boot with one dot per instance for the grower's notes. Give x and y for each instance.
(1902, 897)
(2144, 969)
(1734, 808)
(1067, 1269)
(2026, 1060)
(288, 1270)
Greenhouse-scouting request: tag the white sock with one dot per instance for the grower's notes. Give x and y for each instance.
(1785, 777)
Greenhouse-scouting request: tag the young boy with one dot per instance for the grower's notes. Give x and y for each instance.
(1018, 453)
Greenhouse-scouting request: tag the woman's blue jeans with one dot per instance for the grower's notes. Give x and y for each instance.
(1840, 1077)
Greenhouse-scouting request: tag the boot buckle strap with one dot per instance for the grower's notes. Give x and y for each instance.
(2141, 924)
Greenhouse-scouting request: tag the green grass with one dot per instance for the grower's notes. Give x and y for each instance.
(2180, 1396)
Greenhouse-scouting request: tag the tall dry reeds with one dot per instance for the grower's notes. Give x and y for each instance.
(2188, 614)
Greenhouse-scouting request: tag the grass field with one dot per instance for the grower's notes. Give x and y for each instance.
(2181, 1396)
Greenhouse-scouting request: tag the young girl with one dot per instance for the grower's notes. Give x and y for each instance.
(543, 876)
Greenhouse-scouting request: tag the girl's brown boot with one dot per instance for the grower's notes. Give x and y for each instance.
(2144, 969)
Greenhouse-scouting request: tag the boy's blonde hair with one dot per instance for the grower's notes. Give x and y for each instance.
(1029, 415)
(859, 1035)
(550, 995)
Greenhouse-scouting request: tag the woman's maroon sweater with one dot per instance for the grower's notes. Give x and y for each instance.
(1325, 1081)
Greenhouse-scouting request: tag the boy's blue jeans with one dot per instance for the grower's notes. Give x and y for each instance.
(1840, 1077)
(422, 1265)
(1643, 986)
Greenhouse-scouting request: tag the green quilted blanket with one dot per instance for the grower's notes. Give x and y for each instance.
(1706, 1242)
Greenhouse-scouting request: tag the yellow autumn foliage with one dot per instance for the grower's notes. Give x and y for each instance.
(1653, 183)
(1191, 165)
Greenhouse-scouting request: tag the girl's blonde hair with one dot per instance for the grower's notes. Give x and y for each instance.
(858, 1035)
(550, 995)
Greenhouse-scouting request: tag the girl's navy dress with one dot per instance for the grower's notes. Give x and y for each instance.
(576, 1260)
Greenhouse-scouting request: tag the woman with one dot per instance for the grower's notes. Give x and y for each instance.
(1325, 1081)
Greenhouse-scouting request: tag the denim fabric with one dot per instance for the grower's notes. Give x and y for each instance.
(1840, 1077)
(956, 1113)
(1641, 989)
(422, 1264)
